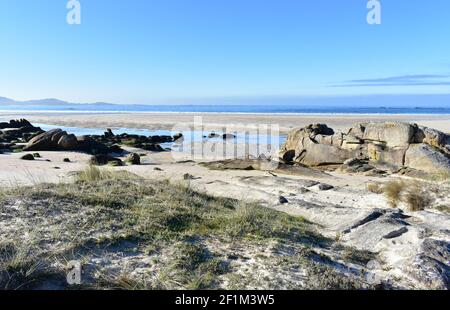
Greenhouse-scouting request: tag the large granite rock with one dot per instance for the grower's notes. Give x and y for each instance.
(59, 140)
(391, 133)
(393, 144)
(425, 157)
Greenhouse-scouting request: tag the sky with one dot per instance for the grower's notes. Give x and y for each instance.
(162, 51)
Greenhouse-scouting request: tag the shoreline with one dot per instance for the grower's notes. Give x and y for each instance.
(14, 112)
(219, 121)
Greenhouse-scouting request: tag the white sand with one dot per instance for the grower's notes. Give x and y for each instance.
(217, 121)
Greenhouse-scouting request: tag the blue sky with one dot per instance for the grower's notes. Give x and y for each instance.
(155, 51)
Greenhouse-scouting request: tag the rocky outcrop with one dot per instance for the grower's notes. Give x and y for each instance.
(394, 144)
(20, 123)
(16, 131)
(59, 140)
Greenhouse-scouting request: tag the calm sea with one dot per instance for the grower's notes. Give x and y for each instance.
(269, 109)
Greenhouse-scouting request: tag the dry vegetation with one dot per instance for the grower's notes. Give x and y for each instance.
(414, 194)
(131, 233)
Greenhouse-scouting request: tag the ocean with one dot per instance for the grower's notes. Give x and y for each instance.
(268, 109)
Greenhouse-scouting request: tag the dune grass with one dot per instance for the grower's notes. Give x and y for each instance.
(413, 194)
(181, 236)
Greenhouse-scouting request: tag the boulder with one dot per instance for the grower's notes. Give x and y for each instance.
(434, 138)
(393, 156)
(134, 159)
(68, 142)
(314, 154)
(89, 145)
(394, 145)
(44, 141)
(227, 136)
(426, 158)
(391, 133)
(21, 123)
(27, 157)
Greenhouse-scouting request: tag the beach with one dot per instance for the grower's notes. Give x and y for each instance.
(347, 207)
(219, 121)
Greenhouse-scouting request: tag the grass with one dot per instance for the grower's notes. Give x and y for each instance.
(413, 194)
(149, 234)
(444, 209)
(375, 188)
(392, 191)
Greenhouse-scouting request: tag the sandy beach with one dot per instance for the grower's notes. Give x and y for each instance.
(346, 207)
(219, 121)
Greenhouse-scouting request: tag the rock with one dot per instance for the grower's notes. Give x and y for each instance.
(227, 136)
(374, 228)
(322, 154)
(116, 149)
(68, 142)
(178, 136)
(424, 157)
(431, 265)
(21, 123)
(391, 133)
(27, 157)
(255, 164)
(134, 159)
(365, 146)
(213, 135)
(99, 159)
(152, 147)
(103, 159)
(325, 187)
(66, 160)
(91, 146)
(352, 162)
(109, 133)
(36, 155)
(434, 138)
(282, 200)
(394, 156)
(43, 141)
(157, 169)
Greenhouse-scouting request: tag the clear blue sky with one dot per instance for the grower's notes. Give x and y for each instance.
(151, 51)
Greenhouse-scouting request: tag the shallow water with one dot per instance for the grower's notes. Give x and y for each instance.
(189, 136)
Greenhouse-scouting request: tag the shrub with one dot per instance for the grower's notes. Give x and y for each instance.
(416, 198)
(393, 190)
(374, 188)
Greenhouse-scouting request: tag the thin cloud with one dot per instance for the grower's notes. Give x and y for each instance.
(402, 80)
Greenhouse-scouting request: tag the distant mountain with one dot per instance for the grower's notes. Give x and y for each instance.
(391, 104)
(47, 102)
(4, 100)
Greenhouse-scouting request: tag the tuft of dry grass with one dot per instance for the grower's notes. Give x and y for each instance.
(413, 194)
(416, 198)
(375, 188)
(392, 190)
(92, 173)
